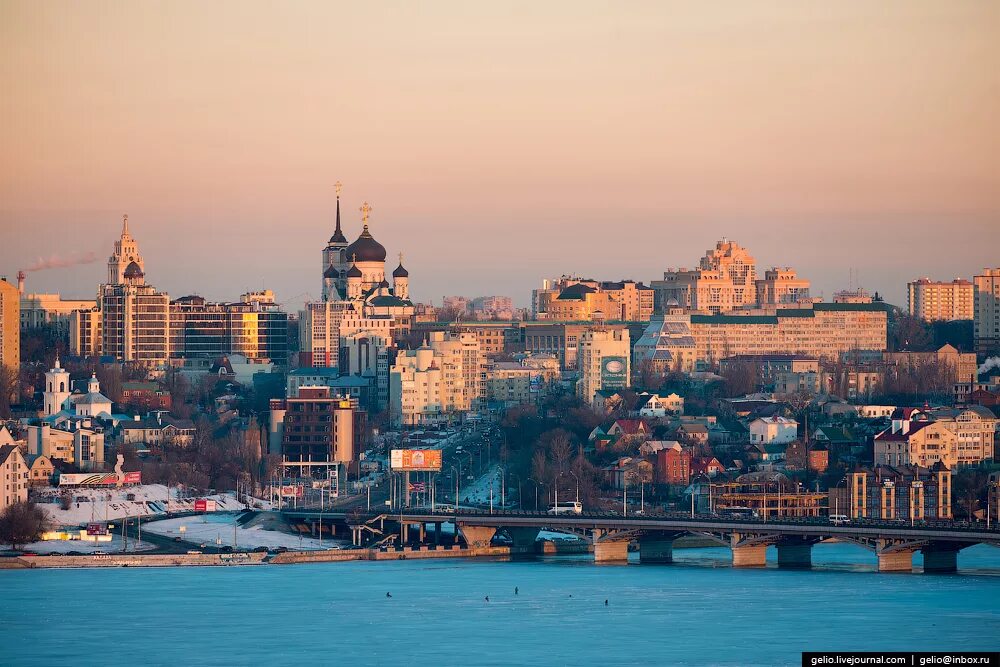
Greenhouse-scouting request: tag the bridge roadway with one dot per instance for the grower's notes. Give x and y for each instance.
(893, 542)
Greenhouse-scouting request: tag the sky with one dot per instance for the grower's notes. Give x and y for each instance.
(499, 143)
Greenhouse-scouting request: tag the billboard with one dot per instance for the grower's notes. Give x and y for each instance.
(97, 529)
(291, 491)
(614, 372)
(98, 479)
(415, 459)
(205, 505)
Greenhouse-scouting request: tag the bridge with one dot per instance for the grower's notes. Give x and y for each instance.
(610, 534)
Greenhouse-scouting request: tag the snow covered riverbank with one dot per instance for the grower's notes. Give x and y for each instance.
(218, 530)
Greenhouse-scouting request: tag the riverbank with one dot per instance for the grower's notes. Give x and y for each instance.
(243, 558)
(543, 547)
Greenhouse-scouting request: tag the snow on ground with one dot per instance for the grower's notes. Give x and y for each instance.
(85, 546)
(217, 529)
(108, 504)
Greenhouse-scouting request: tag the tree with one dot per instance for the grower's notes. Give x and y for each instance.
(8, 390)
(22, 523)
(908, 333)
(741, 378)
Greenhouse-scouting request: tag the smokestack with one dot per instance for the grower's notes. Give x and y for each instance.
(20, 282)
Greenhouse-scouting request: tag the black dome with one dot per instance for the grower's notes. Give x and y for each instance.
(400, 272)
(331, 272)
(366, 249)
(133, 271)
(354, 272)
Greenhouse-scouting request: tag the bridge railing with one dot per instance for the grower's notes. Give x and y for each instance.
(655, 516)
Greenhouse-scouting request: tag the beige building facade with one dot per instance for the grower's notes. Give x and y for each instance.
(13, 477)
(782, 286)
(604, 362)
(438, 381)
(986, 325)
(934, 301)
(10, 326)
(685, 342)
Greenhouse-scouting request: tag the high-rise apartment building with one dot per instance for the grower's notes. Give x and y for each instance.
(10, 326)
(726, 279)
(569, 299)
(318, 427)
(604, 359)
(781, 286)
(936, 301)
(39, 310)
(986, 324)
(254, 327)
(133, 322)
(443, 377)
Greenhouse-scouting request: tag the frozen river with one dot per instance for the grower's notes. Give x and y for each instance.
(698, 611)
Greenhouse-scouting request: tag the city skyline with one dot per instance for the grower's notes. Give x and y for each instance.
(613, 145)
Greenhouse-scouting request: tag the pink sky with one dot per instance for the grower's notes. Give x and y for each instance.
(500, 143)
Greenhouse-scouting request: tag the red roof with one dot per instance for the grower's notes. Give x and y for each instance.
(889, 436)
(631, 426)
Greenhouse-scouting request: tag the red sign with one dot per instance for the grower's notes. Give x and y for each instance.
(200, 505)
(97, 529)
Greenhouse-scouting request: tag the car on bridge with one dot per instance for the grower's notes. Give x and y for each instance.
(571, 507)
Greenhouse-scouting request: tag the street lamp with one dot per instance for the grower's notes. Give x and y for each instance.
(577, 485)
(624, 493)
(996, 486)
(458, 474)
(514, 474)
(535, 482)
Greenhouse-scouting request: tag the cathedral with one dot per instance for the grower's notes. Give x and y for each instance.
(356, 273)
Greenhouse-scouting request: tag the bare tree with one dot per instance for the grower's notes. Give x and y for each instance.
(21, 523)
(8, 390)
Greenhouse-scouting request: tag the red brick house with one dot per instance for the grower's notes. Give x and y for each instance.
(673, 465)
(706, 465)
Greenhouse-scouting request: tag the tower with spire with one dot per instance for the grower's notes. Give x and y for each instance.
(125, 259)
(335, 257)
(57, 389)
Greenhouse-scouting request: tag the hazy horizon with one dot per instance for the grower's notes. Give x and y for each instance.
(500, 145)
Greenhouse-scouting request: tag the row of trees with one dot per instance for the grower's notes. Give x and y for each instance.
(217, 458)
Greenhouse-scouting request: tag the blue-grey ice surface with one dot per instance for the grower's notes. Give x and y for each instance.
(698, 611)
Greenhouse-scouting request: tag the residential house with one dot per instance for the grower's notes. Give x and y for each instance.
(629, 471)
(655, 405)
(40, 471)
(148, 395)
(706, 465)
(607, 401)
(773, 430)
(13, 476)
(693, 433)
(158, 429)
(673, 465)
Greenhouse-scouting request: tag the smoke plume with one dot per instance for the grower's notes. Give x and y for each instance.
(60, 262)
(992, 362)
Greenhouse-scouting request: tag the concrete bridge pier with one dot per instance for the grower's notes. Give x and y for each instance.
(611, 551)
(940, 559)
(795, 553)
(895, 561)
(477, 536)
(750, 555)
(656, 549)
(523, 540)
